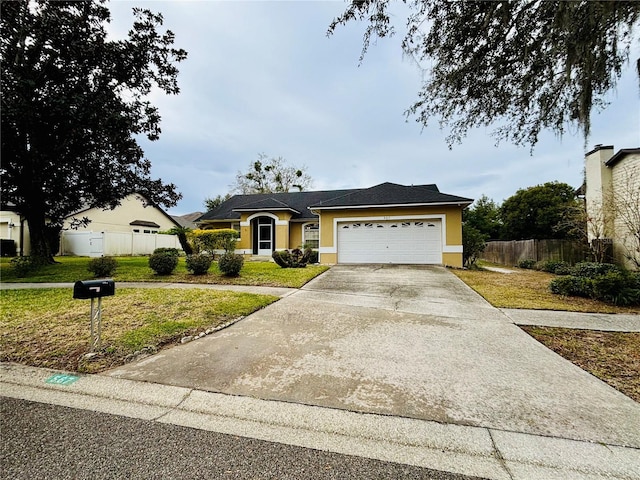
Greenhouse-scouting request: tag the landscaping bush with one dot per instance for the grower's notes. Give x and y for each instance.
(600, 281)
(164, 262)
(571, 286)
(312, 255)
(527, 263)
(218, 239)
(230, 264)
(198, 263)
(295, 258)
(593, 269)
(23, 266)
(169, 250)
(554, 266)
(619, 288)
(102, 266)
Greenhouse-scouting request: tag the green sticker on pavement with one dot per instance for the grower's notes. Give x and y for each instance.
(62, 379)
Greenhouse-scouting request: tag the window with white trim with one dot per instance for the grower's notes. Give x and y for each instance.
(311, 235)
(236, 226)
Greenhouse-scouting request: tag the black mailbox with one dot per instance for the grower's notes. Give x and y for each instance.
(94, 289)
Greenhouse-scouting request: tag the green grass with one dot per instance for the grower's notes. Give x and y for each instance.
(530, 289)
(47, 328)
(136, 269)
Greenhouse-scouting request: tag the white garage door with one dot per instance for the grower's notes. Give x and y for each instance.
(403, 241)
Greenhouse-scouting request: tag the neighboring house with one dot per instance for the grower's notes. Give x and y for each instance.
(134, 214)
(188, 220)
(612, 199)
(129, 229)
(387, 223)
(14, 227)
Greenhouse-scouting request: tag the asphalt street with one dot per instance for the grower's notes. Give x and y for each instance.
(41, 441)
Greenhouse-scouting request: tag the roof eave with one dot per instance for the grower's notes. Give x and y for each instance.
(620, 154)
(460, 203)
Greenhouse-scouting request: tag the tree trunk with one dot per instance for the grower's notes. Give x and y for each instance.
(39, 232)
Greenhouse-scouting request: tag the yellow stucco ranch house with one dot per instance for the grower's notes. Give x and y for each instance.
(387, 223)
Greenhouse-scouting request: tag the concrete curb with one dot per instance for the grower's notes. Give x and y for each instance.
(468, 450)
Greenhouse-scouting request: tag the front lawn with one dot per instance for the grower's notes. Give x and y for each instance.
(613, 357)
(136, 269)
(47, 328)
(530, 289)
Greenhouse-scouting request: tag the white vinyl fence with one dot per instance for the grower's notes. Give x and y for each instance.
(97, 244)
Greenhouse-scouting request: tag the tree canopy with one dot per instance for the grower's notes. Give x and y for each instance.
(271, 175)
(537, 212)
(74, 104)
(484, 216)
(211, 203)
(525, 66)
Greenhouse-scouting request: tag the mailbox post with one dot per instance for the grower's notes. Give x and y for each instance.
(92, 289)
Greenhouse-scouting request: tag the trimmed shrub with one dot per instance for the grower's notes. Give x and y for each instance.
(170, 250)
(295, 258)
(198, 263)
(163, 263)
(619, 288)
(554, 266)
(312, 255)
(230, 264)
(570, 286)
(102, 266)
(527, 263)
(613, 285)
(593, 269)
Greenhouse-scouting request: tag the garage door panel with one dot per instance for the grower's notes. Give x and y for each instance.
(405, 241)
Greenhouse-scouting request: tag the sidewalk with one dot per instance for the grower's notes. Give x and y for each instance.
(607, 322)
(484, 452)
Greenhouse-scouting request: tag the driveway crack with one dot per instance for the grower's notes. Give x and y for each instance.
(499, 456)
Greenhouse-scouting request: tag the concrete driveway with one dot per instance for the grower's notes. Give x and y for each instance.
(403, 341)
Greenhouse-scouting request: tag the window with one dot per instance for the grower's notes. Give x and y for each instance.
(311, 235)
(236, 226)
(136, 230)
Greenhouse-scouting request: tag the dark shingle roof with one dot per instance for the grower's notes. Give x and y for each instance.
(299, 202)
(392, 194)
(296, 202)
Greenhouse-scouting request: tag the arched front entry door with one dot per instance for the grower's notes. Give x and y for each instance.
(264, 235)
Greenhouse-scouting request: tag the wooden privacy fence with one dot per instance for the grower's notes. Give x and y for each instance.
(512, 252)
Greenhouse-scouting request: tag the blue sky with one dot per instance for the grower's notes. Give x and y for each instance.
(262, 76)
